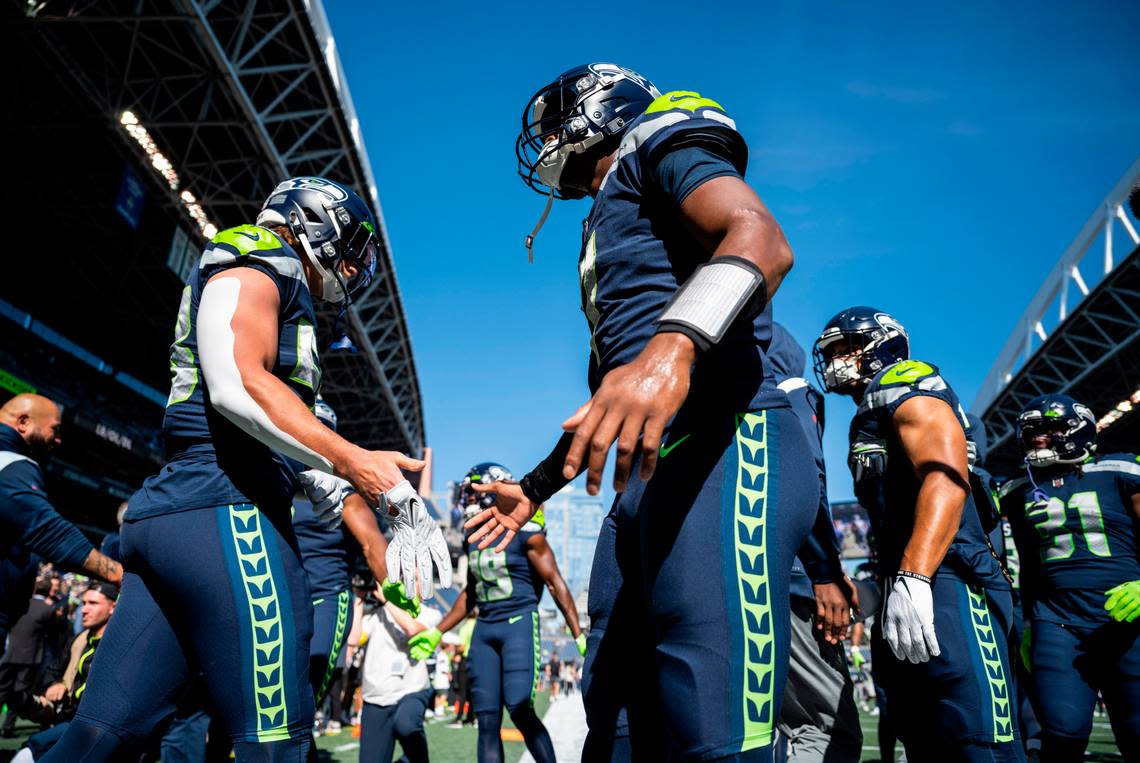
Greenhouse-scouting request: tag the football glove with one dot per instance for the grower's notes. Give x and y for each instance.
(580, 642)
(857, 658)
(327, 493)
(394, 592)
(417, 543)
(423, 644)
(908, 620)
(1124, 601)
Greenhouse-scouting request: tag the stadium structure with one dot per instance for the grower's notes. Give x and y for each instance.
(1079, 335)
(136, 130)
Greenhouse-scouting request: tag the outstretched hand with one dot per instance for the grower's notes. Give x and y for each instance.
(504, 518)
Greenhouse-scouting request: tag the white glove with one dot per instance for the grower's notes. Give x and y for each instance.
(908, 620)
(417, 543)
(327, 493)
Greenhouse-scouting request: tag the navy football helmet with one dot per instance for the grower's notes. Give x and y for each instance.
(484, 473)
(855, 345)
(333, 225)
(1056, 429)
(580, 109)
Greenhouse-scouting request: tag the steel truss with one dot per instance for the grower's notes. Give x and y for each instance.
(239, 94)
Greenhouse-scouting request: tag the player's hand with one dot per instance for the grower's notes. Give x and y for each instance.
(423, 644)
(635, 401)
(908, 620)
(393, 592)
(857, 658)
(504, 518)
(1123, 602)
(580, 642)
(56, 692)
(833, 609)
(417, 543)
(375, 472)
(327, 493)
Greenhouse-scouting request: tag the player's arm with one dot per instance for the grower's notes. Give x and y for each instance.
(541, 557)
(408, 624)
(423, 644)
(102, 566)
(750, 258)
(1123, 601)
(834, 593)
(361, 522)
(933, 441)
(237, 344)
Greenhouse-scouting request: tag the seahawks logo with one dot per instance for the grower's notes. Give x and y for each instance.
(613, 71)
(331, 190)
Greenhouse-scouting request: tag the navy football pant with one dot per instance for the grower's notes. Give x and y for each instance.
(689, 640)
(381, 726)
(1070, 664)
(959, 706)
(1026, 715)
(502, 665)
(332, 620)
(219, 591)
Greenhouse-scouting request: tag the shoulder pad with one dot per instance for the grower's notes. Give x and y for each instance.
(537, 523)
(1012, 485)
(8, 457)
(684, 99)
(899, 380)
(1119, 462)
(251, 243)
(248, 238)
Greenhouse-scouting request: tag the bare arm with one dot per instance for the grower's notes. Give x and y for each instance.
(935, 443)
(541, 557)
(354, 632)
(1136, 504)
(102, 566)
(408, 624)
(462, 607)
(361, 522)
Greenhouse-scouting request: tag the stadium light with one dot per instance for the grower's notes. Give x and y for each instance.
(165, 168)
(1118, 411)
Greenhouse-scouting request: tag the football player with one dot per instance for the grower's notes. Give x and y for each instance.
(216, 582)
(679, 262)
(946, 610)
(1074, 518)
(503, 660)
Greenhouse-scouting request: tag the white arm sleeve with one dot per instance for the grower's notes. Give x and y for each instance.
(227, 392)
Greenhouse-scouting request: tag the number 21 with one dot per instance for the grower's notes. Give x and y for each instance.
(1050, 516)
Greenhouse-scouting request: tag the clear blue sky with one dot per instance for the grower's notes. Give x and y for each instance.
(933, 163)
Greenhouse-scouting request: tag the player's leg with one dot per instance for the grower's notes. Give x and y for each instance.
(136, 681)
(485, 677)
(720, 523)
(1117, 649)
(332, 619)
(520, 653)
(1066, 699)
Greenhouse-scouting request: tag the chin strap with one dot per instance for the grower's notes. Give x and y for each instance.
(538, 227)
(344, 342)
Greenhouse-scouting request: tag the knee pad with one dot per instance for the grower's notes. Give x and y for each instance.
(490, 745)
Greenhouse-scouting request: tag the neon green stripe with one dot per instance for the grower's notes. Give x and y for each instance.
(750, 540)
(537, 657)
(268, 678)
(342, 602)
(990, 652)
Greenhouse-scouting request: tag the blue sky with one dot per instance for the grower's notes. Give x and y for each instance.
(931, 162)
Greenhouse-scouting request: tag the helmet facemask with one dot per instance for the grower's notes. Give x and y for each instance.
(846, 361)
(1052, 437)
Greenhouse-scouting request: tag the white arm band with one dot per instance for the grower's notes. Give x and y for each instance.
(228, 394)
(716, 294)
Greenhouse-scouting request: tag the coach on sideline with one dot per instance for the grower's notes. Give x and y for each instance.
(29, 526)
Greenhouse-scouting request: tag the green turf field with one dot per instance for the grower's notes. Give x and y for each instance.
(448, 745)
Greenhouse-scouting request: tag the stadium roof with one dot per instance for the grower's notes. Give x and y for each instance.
(223, 100)
(1074, 339)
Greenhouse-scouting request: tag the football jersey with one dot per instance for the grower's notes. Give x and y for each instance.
(636, 251)
(887, 487)
(326, 555)
(1077, 535)
(505, 581)
(211, 461)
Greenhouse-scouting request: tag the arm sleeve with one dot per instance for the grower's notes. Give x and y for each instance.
(820, 550)
(40, 527)
(681, 171)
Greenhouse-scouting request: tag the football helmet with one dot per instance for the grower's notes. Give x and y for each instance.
(324, 413)
(855, 345)
(484, 473)
(1056, 429)
(579, 110)
(334, 226)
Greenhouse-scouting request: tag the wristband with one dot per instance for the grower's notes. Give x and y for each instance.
(546, 479)
(915, 575)
(718, 293)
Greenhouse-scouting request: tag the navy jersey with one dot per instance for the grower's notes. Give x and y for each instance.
(1077, 536)
(636, 251)
(326, 555)
(211, 461)
(887, 487)
(505, 582)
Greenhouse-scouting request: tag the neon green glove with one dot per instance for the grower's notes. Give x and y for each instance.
(423, 644)
(857, 658)
(1026, 646)
(581, 644)
(1124, 601)
(394, 592)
